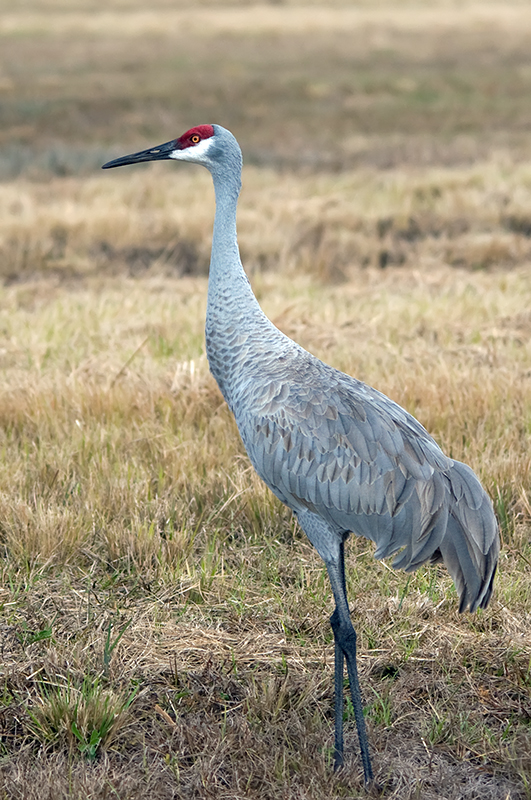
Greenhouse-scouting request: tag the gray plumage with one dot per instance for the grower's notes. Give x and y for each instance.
(344, 457)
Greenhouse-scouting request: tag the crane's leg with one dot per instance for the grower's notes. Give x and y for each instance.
(338, 715)
(331, 549)
(339, 664)
(345, 647)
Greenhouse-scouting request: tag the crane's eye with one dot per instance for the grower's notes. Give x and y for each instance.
(195, 138)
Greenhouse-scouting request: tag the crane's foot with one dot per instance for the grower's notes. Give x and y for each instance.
(338, 760)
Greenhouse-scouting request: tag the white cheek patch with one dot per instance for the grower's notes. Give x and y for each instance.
(198, 152)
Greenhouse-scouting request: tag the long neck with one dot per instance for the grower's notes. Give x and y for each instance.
(225, 265)
(234, 318)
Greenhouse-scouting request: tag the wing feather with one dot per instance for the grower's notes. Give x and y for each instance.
(333, 446)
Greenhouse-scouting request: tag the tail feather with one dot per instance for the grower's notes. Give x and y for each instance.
(471, 543)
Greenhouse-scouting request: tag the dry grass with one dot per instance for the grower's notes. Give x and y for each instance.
(133, 19)
(127, 500)
(163, 622)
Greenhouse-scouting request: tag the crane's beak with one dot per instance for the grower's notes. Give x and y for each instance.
(160, 153)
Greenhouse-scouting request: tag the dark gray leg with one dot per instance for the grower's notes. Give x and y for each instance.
(329, 545)
(345, 646)
(338, 683)
(339, 663)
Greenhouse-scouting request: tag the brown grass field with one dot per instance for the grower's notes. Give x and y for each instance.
(163, 622)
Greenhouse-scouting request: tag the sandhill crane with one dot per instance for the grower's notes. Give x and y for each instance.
(344, 457)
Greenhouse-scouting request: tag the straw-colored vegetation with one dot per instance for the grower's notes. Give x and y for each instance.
(163, 621)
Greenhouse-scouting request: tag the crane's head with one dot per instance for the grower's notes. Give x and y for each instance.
(210, 145)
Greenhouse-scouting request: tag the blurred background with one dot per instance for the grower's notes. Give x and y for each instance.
(302, 85)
